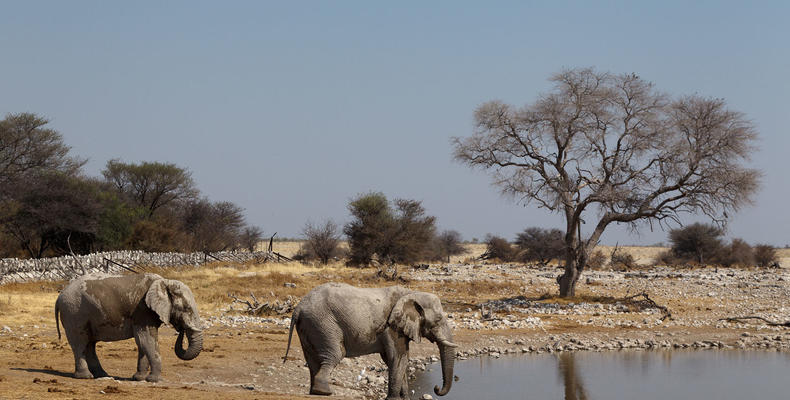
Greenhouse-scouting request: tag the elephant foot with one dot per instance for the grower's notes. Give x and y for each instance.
(83, 375)
(100, 374)
(139, 376)
(321, 388)
(152, 378)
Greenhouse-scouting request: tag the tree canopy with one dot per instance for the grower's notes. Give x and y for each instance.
(151, 184)
(614, 145)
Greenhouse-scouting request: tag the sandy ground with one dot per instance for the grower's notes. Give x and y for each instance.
(242, 356)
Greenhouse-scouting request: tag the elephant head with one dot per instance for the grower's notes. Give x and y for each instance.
(174, 303)
(418, 315)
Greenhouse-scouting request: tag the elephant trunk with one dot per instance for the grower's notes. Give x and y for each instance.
(195, 339)
(447, 357)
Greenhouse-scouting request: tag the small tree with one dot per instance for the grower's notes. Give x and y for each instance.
(401, 235)
(614, 146)
(698, 242)
(321, 241)
(250, 238)
(448, 243)
(412, 234)
(540, 245)
(371, 217)
(211, 226)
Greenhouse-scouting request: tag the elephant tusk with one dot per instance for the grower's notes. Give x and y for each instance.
(449, 343)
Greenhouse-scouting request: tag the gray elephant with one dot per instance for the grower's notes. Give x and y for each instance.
(106, 308)
(336, 320)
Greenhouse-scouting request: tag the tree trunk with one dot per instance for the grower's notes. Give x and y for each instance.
(568, 280)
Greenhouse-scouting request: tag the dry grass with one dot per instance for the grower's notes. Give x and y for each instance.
(34, 307)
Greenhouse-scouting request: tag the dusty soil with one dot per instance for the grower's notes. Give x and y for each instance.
(242, 356)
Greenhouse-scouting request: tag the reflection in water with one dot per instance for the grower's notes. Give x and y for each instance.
(574, 386)
(646, 375)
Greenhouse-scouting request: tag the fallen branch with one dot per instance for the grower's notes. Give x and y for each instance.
(255, 307)
(252, 308)
(768, 322)
(647, 302)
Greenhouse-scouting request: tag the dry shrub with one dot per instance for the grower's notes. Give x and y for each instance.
(498, 248)
(622, 261)
(540, 245)
(737, 254)
(764, 255)
(597, 260)
(669, 259)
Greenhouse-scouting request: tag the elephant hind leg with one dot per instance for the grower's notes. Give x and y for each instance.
(320, 368)
(78, 340)
(320, 383)
(93, 361)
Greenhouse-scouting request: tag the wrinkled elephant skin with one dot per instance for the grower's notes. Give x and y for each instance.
(104, 308)
(336, 320)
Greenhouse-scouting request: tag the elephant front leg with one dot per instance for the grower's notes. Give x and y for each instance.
(398, 387)
(396, 356)
(148, 345)
(142, 362)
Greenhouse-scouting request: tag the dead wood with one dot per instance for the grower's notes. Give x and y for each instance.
(767, 322)
(108, 261)
(68, 242)
(647, 302)
(255, 307)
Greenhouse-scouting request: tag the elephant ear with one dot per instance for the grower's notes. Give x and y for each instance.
(158, 300)
(407, 317)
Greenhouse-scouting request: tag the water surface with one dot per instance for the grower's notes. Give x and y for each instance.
(643, 375)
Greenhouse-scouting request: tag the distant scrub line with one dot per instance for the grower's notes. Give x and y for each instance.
(67, 267)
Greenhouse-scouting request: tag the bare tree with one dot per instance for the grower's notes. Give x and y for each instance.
(615, 145)
(321, 240)
(250, 237)
(213, 226)
(448, 243)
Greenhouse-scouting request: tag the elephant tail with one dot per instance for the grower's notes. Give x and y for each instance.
(294, 317)
(57, 320)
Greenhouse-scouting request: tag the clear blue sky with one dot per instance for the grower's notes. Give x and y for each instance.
(289, 109)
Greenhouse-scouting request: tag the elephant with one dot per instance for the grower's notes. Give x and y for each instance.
(336, 320)
(102, 307)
